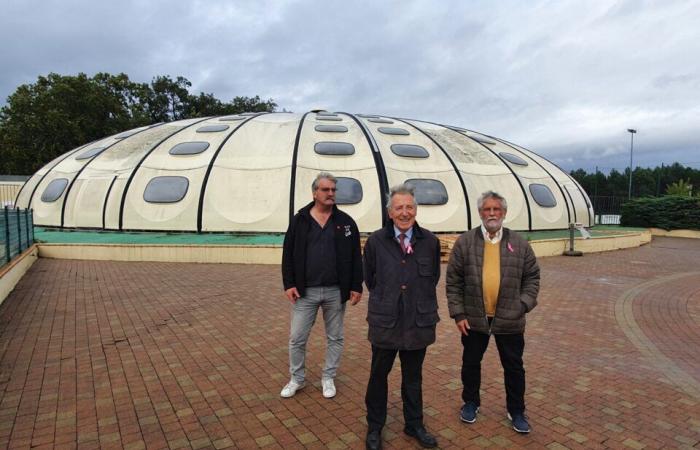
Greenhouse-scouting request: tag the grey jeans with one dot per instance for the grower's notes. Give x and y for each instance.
(303, 318)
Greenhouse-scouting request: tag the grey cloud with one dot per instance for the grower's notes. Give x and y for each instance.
(563, 78)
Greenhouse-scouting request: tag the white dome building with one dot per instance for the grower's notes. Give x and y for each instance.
(250, 172)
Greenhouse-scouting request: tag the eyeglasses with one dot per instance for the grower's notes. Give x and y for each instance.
(327, 189)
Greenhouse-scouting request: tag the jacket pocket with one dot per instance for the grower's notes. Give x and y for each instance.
(427, 313)
(381, 311)
(511, 311)
(425, 266)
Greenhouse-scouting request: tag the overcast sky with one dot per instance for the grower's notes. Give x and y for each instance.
(563, 78)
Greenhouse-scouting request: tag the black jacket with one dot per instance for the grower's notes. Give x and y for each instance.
(402, 309)
(347, 252)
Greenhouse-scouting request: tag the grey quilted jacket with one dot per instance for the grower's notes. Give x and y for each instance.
(517, 295)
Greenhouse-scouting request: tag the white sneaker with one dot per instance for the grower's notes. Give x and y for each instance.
(291, 388)
(328, 387)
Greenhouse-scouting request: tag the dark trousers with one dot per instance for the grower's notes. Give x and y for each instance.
(510, 350)
(411, 386)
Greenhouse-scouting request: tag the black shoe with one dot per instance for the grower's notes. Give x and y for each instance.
(374, 440)
(425, 439)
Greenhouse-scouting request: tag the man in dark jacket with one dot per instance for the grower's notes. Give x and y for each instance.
(492, 282)
(321, 267)
(402, 268)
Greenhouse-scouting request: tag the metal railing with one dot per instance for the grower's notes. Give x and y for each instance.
(16, 232)
(607, 209)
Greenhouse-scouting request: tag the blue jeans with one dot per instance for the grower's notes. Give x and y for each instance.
(303, 318)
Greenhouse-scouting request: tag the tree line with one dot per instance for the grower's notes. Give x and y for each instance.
(57, 113)
(674, 179)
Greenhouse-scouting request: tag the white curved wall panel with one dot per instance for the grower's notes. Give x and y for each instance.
(249, 172)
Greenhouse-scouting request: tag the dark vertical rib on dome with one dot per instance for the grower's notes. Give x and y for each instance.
(295, 152)
(379, 165)
(31, 196)
(573, 207)
(75, 177)
(572, 202)
(583, 194)
(522, 188)
(517, 178)
(454, 166)
(138, 165)
(104, 204)
(200, 208)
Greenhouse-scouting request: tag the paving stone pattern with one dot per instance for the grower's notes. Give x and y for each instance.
(165, 355)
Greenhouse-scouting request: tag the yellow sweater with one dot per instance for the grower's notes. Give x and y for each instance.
(491, 276)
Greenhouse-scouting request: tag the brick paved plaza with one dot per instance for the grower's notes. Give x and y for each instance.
(165, 355)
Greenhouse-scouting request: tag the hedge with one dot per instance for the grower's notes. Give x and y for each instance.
(669, 213)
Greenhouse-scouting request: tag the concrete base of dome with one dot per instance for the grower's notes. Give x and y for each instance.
(272, 254)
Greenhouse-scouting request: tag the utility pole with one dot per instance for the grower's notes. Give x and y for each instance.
(632, 131)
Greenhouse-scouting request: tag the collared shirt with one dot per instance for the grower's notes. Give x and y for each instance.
(320, 255)
(408, 233)
(496, 239)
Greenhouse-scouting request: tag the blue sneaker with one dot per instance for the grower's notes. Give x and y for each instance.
(519, 422)
(468, 412)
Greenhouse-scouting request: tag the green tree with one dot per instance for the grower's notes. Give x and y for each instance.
(168, 99)
(60, 112)
(57, 113)
(681, 187)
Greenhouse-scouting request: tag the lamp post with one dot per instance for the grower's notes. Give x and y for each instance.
(632, 131)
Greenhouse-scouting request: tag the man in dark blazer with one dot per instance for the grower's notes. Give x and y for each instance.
(401, 269)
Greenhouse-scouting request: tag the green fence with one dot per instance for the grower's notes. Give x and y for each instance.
(17, 232)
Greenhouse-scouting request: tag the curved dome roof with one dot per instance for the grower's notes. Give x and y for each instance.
(250, 172)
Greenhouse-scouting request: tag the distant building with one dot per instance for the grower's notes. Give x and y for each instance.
(10, 185)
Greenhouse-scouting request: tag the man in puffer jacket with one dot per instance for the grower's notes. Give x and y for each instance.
(492, 283)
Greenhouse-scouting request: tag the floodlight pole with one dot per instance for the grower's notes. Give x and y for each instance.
(631, 131)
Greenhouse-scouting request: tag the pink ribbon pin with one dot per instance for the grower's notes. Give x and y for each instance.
(409, 248)
(510, 248)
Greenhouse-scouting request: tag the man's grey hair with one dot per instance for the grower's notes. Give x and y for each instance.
(494, 195)
(322, 176)
(400, 189)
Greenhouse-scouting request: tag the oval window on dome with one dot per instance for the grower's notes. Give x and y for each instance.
(329, 118)
(331, 128)
(326, 113)
(515, 159)
(379, 120)
(483, 140)
(231, 118)
(410, 151)
(334, 148)
(212, 128)
(126, 134)
(428, 192)
(349, 191)
(90, 153)
(394, 131)
(54, 190)
(167, 189)
(543, 195)
(189, 148)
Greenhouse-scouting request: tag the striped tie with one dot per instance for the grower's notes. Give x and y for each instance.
(402, 238)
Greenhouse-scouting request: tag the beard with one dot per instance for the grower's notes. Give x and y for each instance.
(492, 225)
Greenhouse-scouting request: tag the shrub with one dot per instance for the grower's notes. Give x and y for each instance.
(671, 212)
